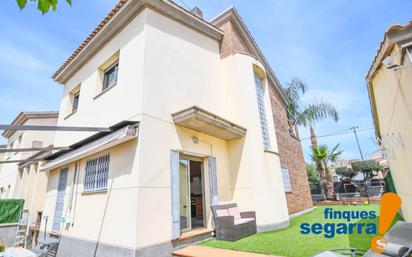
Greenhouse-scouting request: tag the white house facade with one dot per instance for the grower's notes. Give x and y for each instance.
(190, 127)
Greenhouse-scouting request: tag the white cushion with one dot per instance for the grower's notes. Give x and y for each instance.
(222, 213)
(243, 221)
(234, 212)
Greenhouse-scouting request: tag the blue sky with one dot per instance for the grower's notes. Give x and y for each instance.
(327, 43)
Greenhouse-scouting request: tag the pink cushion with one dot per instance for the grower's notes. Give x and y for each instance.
(234, 212)
(243, 221)
(222, 213)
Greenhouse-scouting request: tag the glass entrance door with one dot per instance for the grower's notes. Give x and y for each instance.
(184, 172)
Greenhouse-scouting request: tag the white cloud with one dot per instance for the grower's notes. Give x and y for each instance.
(19, 58)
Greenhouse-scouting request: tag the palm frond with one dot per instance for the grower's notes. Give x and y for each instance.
(294, 90)
(320, 110)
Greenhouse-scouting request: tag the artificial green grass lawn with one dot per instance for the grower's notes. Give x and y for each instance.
(291, 243)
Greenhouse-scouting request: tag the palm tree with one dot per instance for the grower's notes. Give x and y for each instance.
(324, 156)
(308, 115)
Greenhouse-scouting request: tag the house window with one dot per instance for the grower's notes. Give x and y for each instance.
(74, 98)
(262, 112)
(97, 173)
(110, 76)
(409, 50)
(75, 103)
(59, 205)
(286, 178)
(36, 144)
(20, 139)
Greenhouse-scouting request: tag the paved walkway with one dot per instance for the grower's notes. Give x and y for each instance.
(203, 251)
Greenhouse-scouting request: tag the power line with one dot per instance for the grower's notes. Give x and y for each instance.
(184, 3)
(343, 132)
(357, 141)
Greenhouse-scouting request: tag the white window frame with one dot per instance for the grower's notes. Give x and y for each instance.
(95, 167)
(262, 112)
(286, 178)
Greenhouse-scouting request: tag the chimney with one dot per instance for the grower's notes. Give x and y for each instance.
(197, 12)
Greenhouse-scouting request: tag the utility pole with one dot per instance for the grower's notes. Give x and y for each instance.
(357, 141)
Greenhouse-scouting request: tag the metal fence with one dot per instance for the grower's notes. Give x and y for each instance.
(344, 191)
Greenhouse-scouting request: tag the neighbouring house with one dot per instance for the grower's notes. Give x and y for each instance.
(343, 163)
(9, 170)
(379, 156)
(19, 168)
(389, 82)
(191, 116)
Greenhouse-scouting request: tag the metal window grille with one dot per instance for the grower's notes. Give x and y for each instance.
(286, 178)
(262, 112)
(97, 173)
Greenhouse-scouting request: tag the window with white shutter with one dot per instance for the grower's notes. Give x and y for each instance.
(97, 173)
(262, 112)
(286, 178)
(58, 208)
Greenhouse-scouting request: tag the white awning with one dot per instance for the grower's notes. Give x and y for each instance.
(206, 122)
(105, 142)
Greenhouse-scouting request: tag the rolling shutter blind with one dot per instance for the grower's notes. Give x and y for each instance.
(58, 209)
(174, 170)
(213, 181)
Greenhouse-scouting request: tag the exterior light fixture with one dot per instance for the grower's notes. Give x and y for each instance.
(195, 139)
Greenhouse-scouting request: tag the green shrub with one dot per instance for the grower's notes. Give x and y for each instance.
(10, 210)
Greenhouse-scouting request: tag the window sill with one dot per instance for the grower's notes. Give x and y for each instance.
(104, 91)
(98, 191)
(271, 152)
(71, 114)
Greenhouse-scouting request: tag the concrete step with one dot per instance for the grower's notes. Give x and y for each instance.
(203, 251)
(192, 237)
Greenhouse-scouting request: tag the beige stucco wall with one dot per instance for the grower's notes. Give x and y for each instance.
(121, 102)
(31, 185)
(393, 96)
(166, 67)
(111, 213)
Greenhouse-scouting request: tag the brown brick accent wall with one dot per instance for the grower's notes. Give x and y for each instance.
(290, 150)
(232, 41)
(291, 155)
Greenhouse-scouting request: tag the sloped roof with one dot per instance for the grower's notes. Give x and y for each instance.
(393, 35)
(24, 116)
(118, 17)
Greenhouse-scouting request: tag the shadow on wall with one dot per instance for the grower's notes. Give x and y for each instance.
(235, 157)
